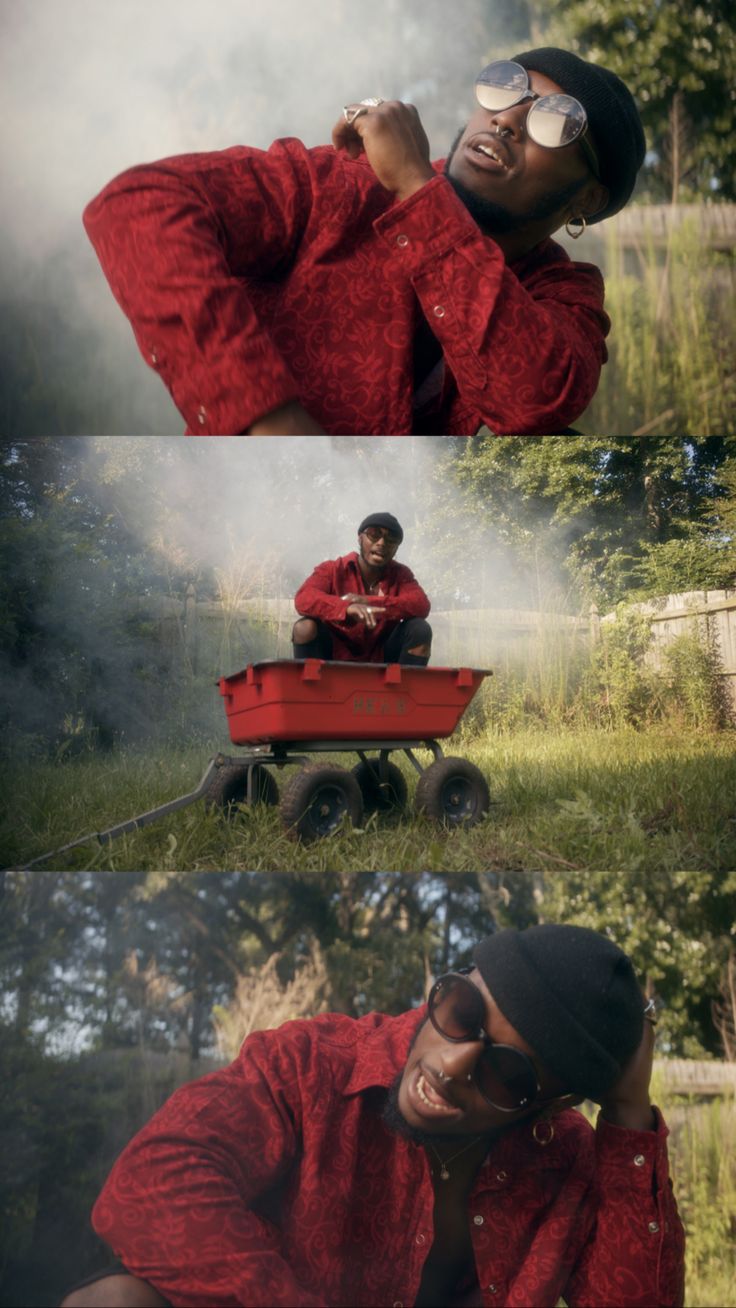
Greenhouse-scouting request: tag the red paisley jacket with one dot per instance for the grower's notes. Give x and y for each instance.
(275, 1182)
(255, 278)
(319, 597)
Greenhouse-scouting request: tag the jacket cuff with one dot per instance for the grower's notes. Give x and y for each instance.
(430, 223)
(631, 1158)
(226, 400)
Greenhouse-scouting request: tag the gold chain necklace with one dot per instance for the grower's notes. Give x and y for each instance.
(444, 1174)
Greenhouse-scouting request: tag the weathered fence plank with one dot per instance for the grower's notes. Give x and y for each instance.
(686, 1076)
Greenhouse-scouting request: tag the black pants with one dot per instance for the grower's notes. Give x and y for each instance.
(406, 635)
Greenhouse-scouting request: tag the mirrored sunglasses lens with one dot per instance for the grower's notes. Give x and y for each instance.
(506, 1078)
(556, 120)
(501, 84)
(457, 1009)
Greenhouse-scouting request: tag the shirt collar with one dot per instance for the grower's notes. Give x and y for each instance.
(381, 1054)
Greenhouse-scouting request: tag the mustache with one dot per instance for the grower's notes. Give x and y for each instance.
(495, 219)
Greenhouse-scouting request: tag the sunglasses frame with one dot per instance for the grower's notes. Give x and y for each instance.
(483, 1037)
(581, 137)
(383, 534)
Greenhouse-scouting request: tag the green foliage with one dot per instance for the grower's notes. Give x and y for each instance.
(674, 924)
(696, 689)
(626, 689)
(672, 340)
(684, 564)
(605, 506)
(703, 1165)
(661, 51)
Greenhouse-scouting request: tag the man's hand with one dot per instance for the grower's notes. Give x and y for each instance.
(395, 145)
(290, 420)
(117, 1291)
(627, 1102)
(367, 613)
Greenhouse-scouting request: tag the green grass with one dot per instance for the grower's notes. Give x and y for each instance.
(703, 1167)
(671, 341)
(658, 800)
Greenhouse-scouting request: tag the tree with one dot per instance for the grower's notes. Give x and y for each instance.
(675, 927)
(631, 517)
(679, 61)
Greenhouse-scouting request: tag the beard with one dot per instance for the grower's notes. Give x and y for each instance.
(393, 1118)
(496, 220)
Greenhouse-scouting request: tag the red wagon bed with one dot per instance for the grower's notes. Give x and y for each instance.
(285, 700)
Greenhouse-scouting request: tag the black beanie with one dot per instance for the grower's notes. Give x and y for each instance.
(612, 115)
(572, 995)
(386, 520)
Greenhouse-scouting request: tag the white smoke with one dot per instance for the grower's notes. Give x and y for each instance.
(89, 89)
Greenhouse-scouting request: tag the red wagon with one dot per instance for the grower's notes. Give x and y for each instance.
(283, 710)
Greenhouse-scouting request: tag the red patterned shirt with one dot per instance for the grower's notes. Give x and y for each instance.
(321, 597)
(254, 278)
(276, 1182)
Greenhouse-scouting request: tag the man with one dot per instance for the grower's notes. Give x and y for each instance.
(364, 606)
(362, 289)
(427, 1159)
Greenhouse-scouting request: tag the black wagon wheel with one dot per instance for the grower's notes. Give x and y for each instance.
(454, 792)
(387, 796)
(229, 787)
(317, 800)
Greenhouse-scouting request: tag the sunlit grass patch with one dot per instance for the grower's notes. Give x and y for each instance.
(564, 799)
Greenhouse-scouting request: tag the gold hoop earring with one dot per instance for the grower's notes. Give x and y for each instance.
(575, 235)
(549, 1138)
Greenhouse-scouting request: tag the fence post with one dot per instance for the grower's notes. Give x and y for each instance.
(190, 626)
(594, 625)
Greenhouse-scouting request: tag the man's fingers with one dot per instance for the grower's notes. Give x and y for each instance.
(345, 137)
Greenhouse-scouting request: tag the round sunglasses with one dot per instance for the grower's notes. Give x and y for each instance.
(375, 533)
(505, 1076)
(553, 120)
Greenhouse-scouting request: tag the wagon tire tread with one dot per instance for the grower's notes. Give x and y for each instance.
(301, 792)
(229, 788)
(463, 805)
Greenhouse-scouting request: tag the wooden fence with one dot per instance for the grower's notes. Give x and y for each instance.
(711, 613)
(482, 637)
(640, 223)
(699, 1078)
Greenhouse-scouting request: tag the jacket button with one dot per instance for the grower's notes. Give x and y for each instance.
(478, 1219)
(421, 1238)
(639, 1161)
(402, 240)
(439, 311)
(654, 1227)
(154, 357)
(493, 1289)
(501, 1176)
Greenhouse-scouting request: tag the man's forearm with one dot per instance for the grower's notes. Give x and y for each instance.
(175, 240)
